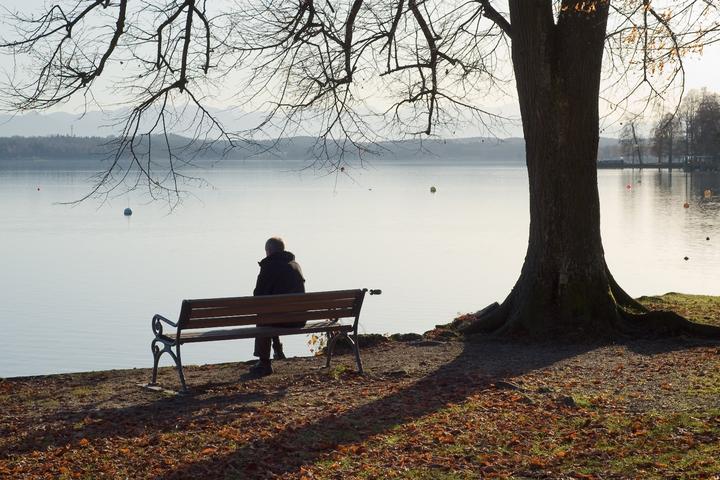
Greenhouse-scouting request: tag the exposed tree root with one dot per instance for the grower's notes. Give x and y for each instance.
(621, 297)
(624, 317)
(486, 320)
(667, 324)
(589, 307)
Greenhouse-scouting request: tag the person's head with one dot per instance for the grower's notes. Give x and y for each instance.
(274, 245)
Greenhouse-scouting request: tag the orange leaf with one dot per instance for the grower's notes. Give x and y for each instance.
(445, 438)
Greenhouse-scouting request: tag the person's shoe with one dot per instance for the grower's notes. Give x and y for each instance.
(278, 353)
(261, 368)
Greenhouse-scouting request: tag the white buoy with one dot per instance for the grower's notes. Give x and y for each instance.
(127, 212)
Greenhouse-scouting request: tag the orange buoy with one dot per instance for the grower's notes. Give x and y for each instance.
(686, 205)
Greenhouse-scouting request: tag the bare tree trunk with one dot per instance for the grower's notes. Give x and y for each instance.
(565, 287)
(564, 282)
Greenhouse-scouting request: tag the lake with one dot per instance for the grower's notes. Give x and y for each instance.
(80, 284)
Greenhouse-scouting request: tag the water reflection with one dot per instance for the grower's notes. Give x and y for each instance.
(647, 247)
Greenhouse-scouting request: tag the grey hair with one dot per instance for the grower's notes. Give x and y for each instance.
(274, 245)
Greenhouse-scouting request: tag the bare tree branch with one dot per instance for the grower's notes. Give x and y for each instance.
(492, 14)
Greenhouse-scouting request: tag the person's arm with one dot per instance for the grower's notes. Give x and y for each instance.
(263, 286)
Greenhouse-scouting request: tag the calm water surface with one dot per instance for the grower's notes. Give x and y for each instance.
(79, 285)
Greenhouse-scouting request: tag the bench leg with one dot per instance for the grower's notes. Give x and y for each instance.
(353, 341)
(356, 347)
(157, 353)
(178, 365)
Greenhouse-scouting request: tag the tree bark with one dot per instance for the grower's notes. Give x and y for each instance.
(565, 288)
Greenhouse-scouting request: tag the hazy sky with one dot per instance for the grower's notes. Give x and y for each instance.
(701, 72)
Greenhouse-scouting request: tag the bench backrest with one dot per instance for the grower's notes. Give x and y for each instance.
(269, 309)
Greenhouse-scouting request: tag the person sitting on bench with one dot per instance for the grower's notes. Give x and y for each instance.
(279, 273)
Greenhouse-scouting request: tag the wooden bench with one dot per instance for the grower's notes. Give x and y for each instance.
(213, 319)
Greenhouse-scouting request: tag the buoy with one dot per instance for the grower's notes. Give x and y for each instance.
(686, 205)
(628, 186)
(127, 212)
(38, 189)
(707, 238)
(342, 169)
(687, 258)
(433, 189)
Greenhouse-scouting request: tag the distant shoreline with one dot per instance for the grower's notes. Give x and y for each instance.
(64, 149)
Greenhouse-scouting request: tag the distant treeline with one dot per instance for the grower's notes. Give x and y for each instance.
(54, 147)
(61, 148)
(691, 131)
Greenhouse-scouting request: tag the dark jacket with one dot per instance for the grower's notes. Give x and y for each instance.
(279, 273)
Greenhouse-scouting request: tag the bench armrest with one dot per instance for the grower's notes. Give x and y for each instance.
(157, 326)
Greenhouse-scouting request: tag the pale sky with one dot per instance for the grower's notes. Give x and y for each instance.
(702, 72)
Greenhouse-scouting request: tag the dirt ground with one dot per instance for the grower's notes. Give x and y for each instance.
(424, 409)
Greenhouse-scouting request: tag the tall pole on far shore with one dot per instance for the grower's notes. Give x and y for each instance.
(637, 144)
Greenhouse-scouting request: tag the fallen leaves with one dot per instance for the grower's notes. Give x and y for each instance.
(458, 419)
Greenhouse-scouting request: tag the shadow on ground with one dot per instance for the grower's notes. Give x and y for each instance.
(93, 422)
(424, 377)
(478, 366)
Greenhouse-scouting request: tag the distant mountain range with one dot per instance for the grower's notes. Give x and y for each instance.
(92, 123)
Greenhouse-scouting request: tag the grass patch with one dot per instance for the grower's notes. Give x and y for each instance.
(698, 308)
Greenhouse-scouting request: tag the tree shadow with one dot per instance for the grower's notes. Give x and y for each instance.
(661, 345)
(479, 366)
(93, 422)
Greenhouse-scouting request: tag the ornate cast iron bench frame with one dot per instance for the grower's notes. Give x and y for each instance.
(214, 319)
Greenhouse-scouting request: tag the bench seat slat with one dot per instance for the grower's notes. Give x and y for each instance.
(252, 332)
(268, 305)
(268, 318)
(277, 299)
